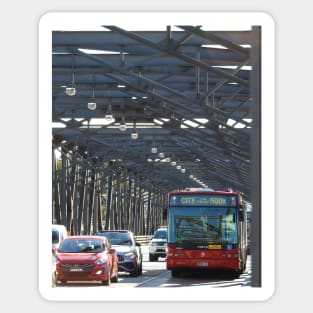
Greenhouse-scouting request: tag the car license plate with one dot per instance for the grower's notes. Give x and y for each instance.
(76, 269)
(202, 264)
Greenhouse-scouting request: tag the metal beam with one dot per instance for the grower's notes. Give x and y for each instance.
(180, 56)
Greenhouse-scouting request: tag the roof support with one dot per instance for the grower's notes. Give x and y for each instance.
(180, 56)
(211, 37)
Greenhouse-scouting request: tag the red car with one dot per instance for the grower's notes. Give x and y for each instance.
(86, 258)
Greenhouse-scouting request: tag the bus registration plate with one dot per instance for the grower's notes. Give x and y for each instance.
(202, 264)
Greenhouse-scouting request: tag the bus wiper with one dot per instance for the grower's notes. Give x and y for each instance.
(183, 240)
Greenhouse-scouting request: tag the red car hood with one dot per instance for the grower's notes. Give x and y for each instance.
(78, 257)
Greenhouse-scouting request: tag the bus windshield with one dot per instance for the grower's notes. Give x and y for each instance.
(203, 225)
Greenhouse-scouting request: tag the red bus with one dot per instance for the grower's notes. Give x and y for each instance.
(207, 230)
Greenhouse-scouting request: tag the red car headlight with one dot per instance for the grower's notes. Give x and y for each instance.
(101, 261)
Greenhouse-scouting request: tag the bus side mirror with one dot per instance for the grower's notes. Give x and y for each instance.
(240, 215)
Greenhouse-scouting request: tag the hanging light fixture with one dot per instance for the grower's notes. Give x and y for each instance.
(122, 126)
(109, 115)
(154, 149)
(134, 135)
(92, 105)
(71, 90)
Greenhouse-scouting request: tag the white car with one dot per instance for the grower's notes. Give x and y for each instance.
(157, 245)
(59, 233)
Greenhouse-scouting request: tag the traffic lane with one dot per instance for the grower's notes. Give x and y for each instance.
(155, 274)
(150, 271)
(212, 279)
(216, 279)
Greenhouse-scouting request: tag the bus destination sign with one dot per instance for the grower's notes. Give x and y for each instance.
(203, 200)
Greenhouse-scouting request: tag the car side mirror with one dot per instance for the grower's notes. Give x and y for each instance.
(138, 244)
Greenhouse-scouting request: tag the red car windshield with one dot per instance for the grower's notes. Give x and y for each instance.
(81, 246)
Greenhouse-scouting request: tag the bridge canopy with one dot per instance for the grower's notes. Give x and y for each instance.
(172, 106)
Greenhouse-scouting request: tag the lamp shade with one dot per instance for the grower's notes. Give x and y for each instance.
(92, 105)
(70, 91)
(134, 135)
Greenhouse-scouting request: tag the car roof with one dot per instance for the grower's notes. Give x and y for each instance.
(113, 231)
(86, 237)
(58, 227)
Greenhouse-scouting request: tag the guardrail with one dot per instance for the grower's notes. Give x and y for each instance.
(143, 239)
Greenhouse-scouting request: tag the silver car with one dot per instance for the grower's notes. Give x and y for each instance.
(128, 250)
